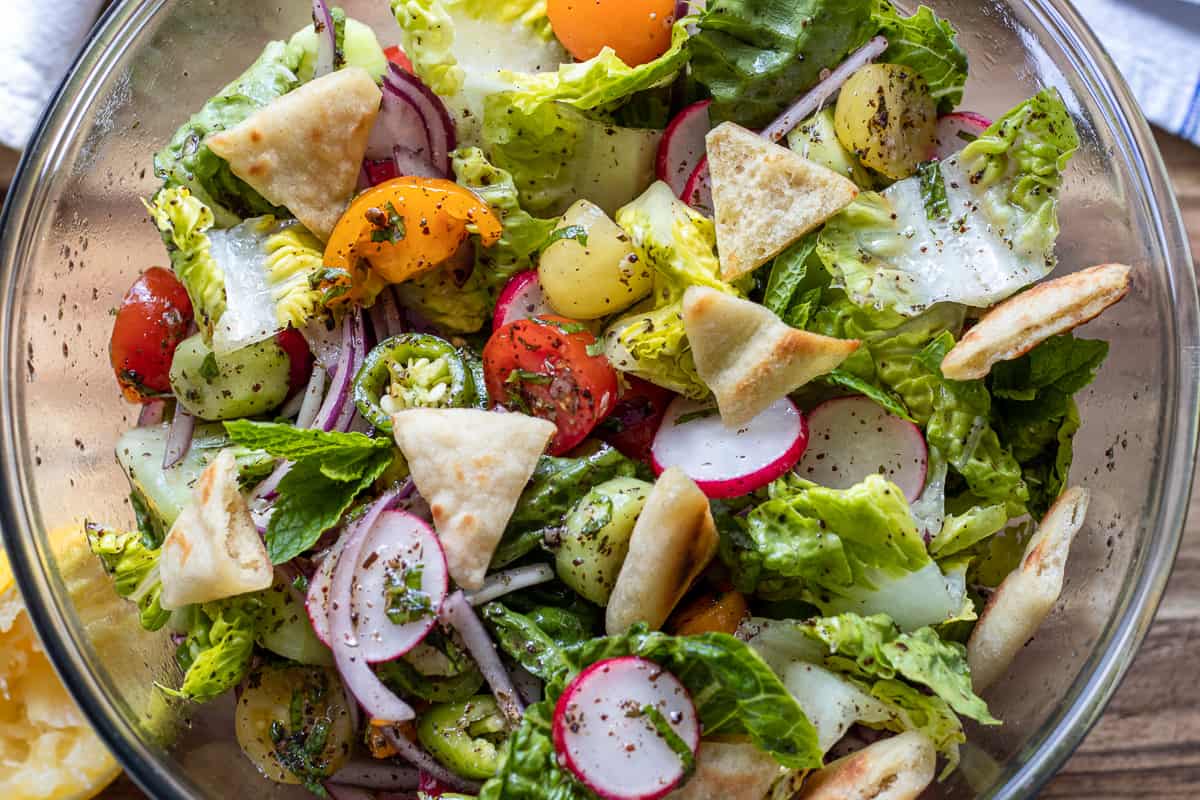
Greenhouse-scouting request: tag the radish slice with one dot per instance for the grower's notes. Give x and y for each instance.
(398, 544)
(316, 602)
(697, 192)
(852, 437)
(682, 146)
(603, 737)
(955, 131)
(724, 462)
(521, 298)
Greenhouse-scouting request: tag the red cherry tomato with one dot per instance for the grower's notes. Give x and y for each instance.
(153, 318)
(635, 418)
(299, 355)
(399, 58)
(542, 367)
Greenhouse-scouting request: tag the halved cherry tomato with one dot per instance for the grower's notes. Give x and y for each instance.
(300, 357)
(638, 30)
(635, 418)
(542, 367)
(720, 611)
(153, 319)
(400, 229)
(399, 58)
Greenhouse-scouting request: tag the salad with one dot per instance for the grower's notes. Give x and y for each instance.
(604, 399)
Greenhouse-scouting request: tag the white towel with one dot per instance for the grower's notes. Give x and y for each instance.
(38, 43)
(1156, 45)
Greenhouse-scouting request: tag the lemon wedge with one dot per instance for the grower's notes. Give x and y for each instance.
(47, 749)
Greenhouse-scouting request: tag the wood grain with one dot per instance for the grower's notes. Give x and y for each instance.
(1147, 744)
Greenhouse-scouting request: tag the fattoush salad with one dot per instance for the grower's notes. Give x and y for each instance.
(605, 398)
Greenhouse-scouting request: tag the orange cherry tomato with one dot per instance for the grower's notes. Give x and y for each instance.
(638, 30)
(403, 228)
(720, 612)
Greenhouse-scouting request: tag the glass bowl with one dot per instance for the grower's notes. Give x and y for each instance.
(74, 234)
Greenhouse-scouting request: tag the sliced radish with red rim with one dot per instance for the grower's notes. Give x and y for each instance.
(316, 602)
(852, 437)
(605, 736)
(682, 146)
(697, 193)
(401, 556)
(521, 298)
(955, 131)
(725, 462)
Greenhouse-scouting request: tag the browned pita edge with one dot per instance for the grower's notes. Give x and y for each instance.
(765, 197)
(748, 357)
(896, 768)
(1020, 323)
(1024, 599)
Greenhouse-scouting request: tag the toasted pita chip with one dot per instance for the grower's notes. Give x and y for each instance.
(749, 357)
(673, 539)
(896, 768)
(1020, 323)
(213, 550)
(304, 150)
(470, 466)
(766, 196)
(1027, 595)
(729, 771)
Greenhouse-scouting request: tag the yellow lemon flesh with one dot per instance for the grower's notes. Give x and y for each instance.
(47, 748)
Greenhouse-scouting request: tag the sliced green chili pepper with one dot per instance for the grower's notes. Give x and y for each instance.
(412, 370)
(465, 737)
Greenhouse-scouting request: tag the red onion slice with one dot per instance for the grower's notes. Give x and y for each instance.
(401, 122)
(379, 701)
(378, 775)
(414, 754)
(358, 351)
(414, 162)
(179, 437)
(812, 100)
(499, 584)
(339, 388)
(152, 413)
(312, 399)
(457, 613)
(326, 38)
(439, 126)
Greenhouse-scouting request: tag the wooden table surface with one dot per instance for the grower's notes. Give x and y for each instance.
(1147, 744)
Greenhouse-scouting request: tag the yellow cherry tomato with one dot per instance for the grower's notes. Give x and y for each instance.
(403, 228)
(638, 30)
(721, 612)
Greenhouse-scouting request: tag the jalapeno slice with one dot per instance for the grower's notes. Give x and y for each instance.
(466, 737)
(411, 370)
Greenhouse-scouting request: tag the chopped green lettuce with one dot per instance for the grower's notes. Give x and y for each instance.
(960, 532)
(134, 570)
(926, 44)
(216, 652)
(246, 282)
(998, 237)
(187, 162)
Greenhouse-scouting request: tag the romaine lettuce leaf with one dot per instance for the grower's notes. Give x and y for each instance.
(187, 162)
(926, 44)
(134, 570)
(246, 282)
(757, 56)
(998, 237)
(216, 653)
(962, 531)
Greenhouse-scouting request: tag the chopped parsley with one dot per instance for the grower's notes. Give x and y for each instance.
(576, 232)
(933, 191)
(596, 348)
(389, 225)
(208, 368)
(406, 602)
(565, 327)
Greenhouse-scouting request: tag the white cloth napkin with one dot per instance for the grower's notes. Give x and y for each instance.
(1156, 45)
(38, 43)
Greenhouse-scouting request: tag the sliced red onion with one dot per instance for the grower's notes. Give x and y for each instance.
(812, 100)
(414, 162)
(457, 613)
(152, 413)
(342, 792)
(393, 322)
(379, 775)
(400, 122)
(326, 38)
(339, 388)
(358, 352)
(313, 393)
(179, 437)
(439, 126)
(499, 584)
(266, 489)
(379, 701)
(292, 407)
(414, 754)
(324, 342)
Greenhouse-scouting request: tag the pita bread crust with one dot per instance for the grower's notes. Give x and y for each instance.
(471, 467)
(1028, 594)
(1020, 323)
(304, 150)
(749, 357)
(896, 768)
(673, 539)
(729, 771)
(213, 550)
(766, 196)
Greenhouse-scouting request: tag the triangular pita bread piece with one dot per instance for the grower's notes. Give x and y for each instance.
(304, 150)
(749, 357)
(766, 196)
(470, 466)
(1023, 599)
(730, 771)
(1024, 321)
(896, 768)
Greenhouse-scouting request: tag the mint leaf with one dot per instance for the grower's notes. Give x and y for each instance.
(290, 442)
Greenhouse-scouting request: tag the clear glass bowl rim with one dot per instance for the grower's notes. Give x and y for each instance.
(1022, 777)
